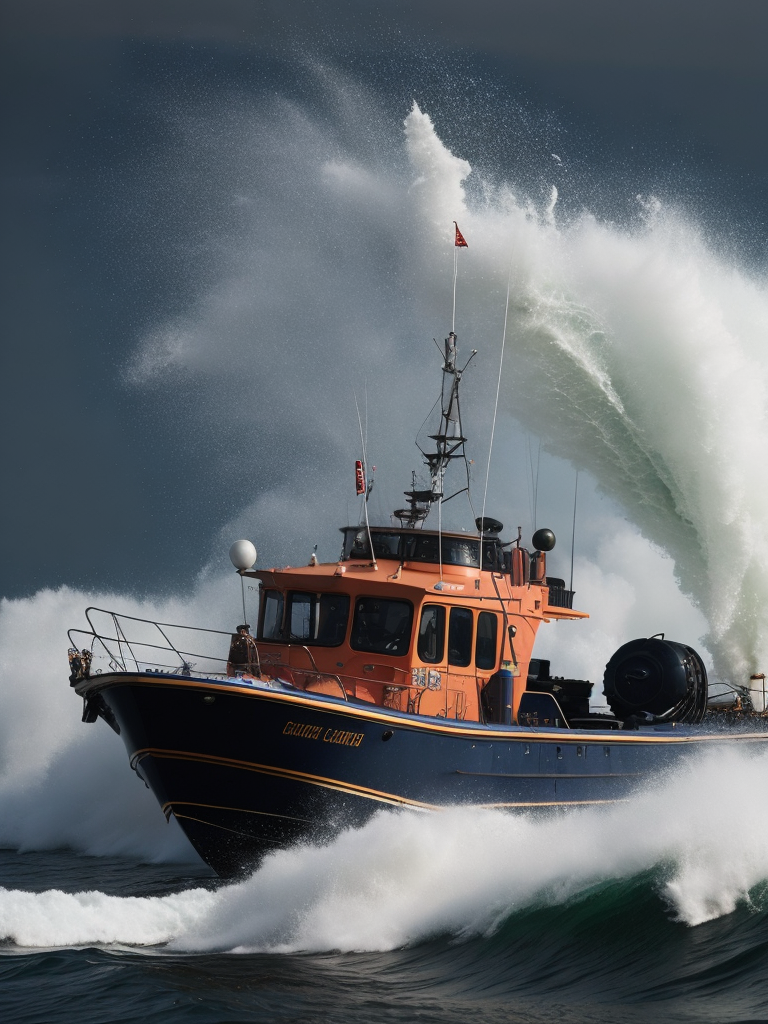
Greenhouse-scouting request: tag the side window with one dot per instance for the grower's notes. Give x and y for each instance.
(485, 645)
(272, 615)
(458, 551)
(300, 617)
(311, 618)
(460, 637)
(332, 619)
(360, 547)
(425, 549)
(381, 626)
(432, 634)
(386, 545)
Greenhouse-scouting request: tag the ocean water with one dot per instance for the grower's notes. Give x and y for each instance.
(612, 955)
(635, 355)
(652, 909)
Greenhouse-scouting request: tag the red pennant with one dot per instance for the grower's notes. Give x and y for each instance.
(461, 242)
(359, 478)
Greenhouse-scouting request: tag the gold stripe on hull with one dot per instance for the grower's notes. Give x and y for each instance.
(169, 807)
(342, 787)
(363, 714)
(284, 773)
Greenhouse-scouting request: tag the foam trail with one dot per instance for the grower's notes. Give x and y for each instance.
(54, 918)
(704, 831)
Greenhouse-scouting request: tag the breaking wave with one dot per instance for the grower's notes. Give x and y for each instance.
(700, 835)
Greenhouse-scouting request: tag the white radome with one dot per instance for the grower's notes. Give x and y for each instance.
(242, 554)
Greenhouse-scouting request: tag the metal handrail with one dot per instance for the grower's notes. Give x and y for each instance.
(128, 648)
(143, 643)
(122, 648)
(124, 643)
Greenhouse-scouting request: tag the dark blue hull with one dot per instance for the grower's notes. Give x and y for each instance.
(246, 769)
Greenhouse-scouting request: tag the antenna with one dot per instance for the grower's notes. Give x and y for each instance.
(455, 274)
(534, 481)
(366, 490)
(495, 410)
(573, 533)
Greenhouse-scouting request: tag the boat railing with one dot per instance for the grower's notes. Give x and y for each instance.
(129, 643)
(116, 642)
(306, 679)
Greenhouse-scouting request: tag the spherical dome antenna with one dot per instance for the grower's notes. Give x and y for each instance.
(242, 554)
(543, 540)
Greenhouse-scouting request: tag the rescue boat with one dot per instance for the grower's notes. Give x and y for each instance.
(401, 675)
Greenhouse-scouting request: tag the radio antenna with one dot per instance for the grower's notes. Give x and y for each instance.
(365, 476)
(573, 532)
(495, 410)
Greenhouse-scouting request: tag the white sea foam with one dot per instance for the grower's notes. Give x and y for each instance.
(63, 783)
(405, 877)
(55, 918)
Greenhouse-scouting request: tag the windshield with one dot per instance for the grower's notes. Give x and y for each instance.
(382, 626)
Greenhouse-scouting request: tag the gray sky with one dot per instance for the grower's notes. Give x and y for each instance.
(717, 36)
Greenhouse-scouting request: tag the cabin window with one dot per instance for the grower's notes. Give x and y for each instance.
(332, 618)
(485, 644)
(385, 545)
(382, 626)
(312, 618)
(271, 615)
(318, 618)
(460, 637)
(301, 624)
(431, 641)
(454, 550)
(493, 556)
(421, 546)
(356, 544)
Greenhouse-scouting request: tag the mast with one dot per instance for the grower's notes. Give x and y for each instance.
(449, 441)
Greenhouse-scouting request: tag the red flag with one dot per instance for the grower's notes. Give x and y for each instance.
(359, 478)
(461, 242)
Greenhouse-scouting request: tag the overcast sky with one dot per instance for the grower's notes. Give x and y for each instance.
(97, 481)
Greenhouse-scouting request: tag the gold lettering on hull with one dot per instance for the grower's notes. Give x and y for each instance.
(303, 730)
